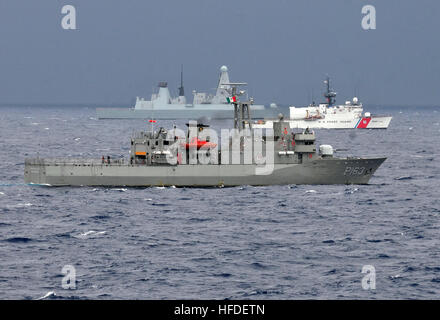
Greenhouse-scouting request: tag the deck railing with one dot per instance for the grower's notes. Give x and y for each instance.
(75, 162)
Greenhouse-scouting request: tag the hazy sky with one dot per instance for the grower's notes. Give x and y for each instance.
(282, 48)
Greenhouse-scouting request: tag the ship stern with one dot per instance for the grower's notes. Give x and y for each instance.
(34, 171)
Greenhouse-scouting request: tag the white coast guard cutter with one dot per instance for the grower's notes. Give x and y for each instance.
(328, 115)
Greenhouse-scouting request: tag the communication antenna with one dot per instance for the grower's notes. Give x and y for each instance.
(356, 90)
(152, 121)
(311, 97)
(181, 90)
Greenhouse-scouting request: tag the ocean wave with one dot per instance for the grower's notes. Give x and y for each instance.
(314, 231)
(19, 205)
(404, 178)
(351, 190)
(49, 295)
(19, 240)
(90, 234)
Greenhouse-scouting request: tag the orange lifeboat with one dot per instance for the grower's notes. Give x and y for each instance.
(196, 142)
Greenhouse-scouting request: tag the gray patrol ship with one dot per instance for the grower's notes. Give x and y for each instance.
(165, 158)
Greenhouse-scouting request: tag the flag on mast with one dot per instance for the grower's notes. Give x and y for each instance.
(231, 99)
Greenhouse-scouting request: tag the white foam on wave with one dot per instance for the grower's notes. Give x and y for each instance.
(119, 189)
(2, 193)
(311, 191)
(20, 205)
(403, 178)
(352, 190)
(47, 295)
(90, 234)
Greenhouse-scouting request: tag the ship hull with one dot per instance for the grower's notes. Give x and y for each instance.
(320, 171)
(373, 122)
(181, 113)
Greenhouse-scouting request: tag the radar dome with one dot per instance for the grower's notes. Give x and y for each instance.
(355, 100)
(273, 105)
(224, 69)
(326, 150)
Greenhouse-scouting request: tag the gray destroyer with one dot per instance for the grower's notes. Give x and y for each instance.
(204, 105)
(166, 158)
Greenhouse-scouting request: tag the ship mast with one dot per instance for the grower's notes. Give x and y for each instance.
(330, 95)
(181, 91)
(242, 113)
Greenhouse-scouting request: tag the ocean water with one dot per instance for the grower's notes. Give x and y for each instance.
(278, 242)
